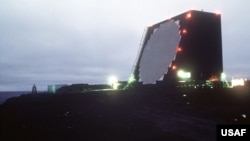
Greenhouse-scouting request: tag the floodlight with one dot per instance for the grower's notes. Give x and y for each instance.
(131, 79)
(113, 82)
(183, 75)
(237, 82)
(223, 76)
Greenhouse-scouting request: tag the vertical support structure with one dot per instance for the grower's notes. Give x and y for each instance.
(34, 90)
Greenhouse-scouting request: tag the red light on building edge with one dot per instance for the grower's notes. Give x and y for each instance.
(184, 31)
(179, 49)
(188, 16)
(174, 67)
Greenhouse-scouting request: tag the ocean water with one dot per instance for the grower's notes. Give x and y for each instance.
(5, 95)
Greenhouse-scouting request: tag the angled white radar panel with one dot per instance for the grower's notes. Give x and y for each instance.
(159, 52)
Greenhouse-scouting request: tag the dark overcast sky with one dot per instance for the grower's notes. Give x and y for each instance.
(85, 41)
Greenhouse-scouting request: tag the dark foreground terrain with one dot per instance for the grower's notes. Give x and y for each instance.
(132, 115)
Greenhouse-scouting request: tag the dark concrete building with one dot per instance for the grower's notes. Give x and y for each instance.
(185, 47)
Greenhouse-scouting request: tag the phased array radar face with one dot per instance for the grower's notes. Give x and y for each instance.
(159, 52)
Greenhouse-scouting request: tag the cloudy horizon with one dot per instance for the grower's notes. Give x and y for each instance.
(47, 42)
